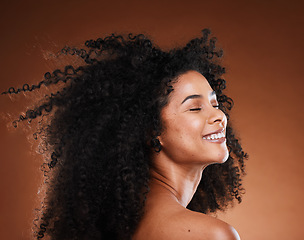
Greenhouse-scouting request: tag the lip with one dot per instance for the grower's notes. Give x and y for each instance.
(217, 131)
(219, 140)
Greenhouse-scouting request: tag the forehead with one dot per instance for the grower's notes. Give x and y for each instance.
(190, 83)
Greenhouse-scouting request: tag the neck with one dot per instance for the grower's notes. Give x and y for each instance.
(177, 180)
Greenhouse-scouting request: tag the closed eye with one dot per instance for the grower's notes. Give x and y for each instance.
(195, 109)
(216, 106)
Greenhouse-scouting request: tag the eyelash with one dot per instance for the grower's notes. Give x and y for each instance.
(198, 109)
(195, 109)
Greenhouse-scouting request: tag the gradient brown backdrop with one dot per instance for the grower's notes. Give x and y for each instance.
(263, 43)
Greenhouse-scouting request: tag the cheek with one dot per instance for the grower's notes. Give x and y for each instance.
(191, 126)
(183, 129)
(197, 124)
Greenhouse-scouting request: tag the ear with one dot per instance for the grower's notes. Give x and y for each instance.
(160, 139)
(156, 145)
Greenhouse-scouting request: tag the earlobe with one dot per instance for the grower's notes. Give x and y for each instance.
(156, 145)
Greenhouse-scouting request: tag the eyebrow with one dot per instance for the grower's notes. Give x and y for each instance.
(194, 96)
(191, 97)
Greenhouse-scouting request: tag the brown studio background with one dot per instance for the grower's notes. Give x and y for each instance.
(263, 44)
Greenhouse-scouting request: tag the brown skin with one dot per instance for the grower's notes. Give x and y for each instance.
(177, 168)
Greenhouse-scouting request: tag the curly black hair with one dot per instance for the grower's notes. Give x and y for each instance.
(101, 128)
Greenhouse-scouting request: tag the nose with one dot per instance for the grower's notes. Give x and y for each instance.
(217, 116)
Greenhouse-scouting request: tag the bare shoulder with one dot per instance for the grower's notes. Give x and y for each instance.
(201, 226)
(185, 224)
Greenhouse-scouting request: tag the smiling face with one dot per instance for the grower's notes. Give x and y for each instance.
(194, 127)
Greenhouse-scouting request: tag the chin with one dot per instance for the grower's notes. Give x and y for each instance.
(221, 157)
(224, 159)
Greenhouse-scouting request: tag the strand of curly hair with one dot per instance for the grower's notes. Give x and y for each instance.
(102, 122)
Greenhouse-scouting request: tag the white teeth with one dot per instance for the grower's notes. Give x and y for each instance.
(215, 136)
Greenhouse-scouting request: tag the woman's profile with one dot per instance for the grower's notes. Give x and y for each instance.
(139, 142)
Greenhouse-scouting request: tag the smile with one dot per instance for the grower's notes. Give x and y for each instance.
(215, 136)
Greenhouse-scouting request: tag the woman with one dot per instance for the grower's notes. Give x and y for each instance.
(131, 134)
